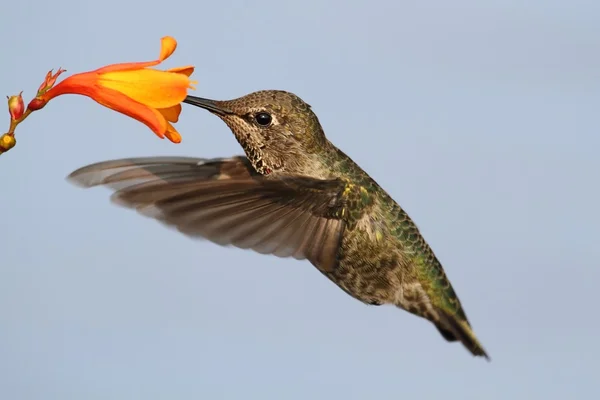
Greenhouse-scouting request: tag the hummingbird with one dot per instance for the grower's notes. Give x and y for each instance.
(293, 194)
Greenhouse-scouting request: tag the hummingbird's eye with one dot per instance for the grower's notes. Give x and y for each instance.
(263, 119)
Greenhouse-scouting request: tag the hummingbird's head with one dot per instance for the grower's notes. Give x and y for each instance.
(277, 129)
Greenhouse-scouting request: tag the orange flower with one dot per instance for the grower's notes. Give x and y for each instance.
(151, 96)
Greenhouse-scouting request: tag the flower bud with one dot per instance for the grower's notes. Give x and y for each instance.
(16, 106)
(36, 104)
(7, 142)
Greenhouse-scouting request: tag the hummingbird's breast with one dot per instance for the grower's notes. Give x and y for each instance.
(374, 263)
(369, 264)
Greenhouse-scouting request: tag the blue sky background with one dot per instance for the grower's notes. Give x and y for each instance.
(480, 118)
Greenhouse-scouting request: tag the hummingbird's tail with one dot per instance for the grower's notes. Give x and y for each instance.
(454, 329)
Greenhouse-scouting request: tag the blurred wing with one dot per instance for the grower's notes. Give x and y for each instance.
(227, 202)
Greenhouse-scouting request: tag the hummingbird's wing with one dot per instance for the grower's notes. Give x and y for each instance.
(227, 202)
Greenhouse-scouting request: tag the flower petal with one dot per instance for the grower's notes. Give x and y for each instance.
(171, 114)
(168, 45)
(126, 66)
(157, 89)
(172, 134)
(187, 70)
(86, 84)
(119, 102)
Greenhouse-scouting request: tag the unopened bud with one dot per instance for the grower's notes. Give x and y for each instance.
(16, 106)
(36, 104)
(7, 142)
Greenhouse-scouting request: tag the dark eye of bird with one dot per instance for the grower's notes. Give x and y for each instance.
(263, 118)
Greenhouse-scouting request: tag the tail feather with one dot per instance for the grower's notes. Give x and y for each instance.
(446, 334)
(454, 329)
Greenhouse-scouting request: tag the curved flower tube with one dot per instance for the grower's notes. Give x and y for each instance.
(150, 96)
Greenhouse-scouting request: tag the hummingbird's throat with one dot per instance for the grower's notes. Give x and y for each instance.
(255, 156)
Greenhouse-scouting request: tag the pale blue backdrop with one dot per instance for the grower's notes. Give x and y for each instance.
(480, 118)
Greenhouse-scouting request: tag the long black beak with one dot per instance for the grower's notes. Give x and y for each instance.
(210, 105)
